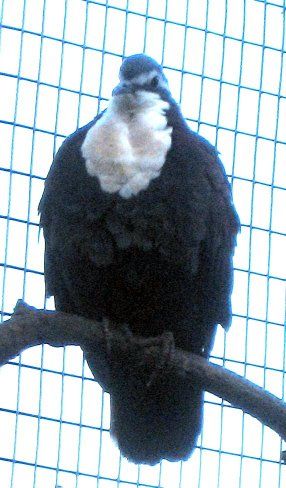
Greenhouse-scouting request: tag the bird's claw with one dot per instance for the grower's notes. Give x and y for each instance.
(167, 349)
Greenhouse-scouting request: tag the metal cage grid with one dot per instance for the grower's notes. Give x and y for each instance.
(225, 61)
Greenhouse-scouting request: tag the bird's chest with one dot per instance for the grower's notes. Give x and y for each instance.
(126, 151)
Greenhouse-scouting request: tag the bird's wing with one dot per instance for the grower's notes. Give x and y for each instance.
(216, 264)
(71, 198)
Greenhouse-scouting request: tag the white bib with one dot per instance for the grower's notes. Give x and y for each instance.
(127, 146)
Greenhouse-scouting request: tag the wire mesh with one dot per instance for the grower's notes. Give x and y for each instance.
(225, 61)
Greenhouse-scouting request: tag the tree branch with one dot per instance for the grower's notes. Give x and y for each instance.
(30, 327)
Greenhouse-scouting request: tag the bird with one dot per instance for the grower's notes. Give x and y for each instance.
(140, 229)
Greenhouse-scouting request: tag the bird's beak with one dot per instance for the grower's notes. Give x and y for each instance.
(123, 89)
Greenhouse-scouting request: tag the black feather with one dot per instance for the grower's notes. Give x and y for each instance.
(159, 261)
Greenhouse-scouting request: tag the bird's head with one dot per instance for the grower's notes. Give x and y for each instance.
(141, 78)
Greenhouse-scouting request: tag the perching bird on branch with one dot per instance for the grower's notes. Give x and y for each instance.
(140, 229)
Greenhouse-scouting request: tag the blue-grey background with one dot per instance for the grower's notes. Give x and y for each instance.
(225, 61)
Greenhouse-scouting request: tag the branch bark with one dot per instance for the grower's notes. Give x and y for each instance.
(30, 327)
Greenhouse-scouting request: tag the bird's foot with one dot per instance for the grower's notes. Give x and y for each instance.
(167, 349)
(116, 338)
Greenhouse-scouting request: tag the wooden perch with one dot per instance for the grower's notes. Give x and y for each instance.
(30, 327)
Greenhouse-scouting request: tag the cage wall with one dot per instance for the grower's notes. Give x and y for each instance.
(225, 62)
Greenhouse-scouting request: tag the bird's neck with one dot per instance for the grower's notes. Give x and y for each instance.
(136, 104)
(127, 146)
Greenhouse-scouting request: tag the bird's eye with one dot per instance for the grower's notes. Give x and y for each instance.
(155, 81)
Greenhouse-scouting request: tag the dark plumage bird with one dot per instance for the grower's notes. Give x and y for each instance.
(140, 228)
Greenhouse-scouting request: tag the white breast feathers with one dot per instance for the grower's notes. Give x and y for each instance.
(127, 147)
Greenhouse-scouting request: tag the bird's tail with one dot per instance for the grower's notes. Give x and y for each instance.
(156, 421)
